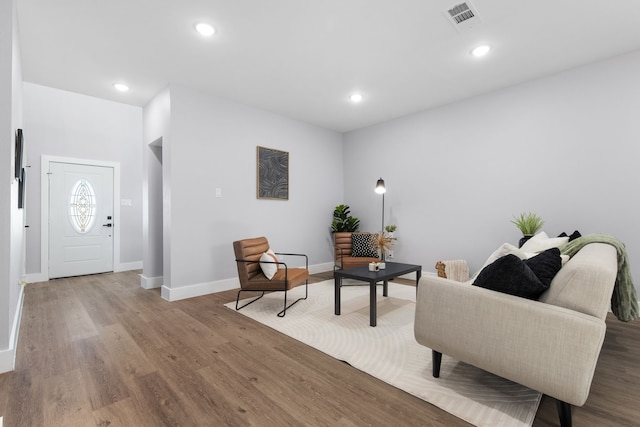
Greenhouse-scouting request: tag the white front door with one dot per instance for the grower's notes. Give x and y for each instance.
(80, 219)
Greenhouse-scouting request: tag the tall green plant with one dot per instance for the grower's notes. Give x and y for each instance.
(528, 223)
(343, 221)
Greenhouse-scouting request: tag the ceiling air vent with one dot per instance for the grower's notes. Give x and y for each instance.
(463, 16)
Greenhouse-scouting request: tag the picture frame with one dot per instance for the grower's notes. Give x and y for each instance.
(272, 174)
(18, 154)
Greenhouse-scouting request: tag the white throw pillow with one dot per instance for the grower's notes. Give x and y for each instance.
(541, 242)
(506, 249)
(268, 268)
(503, 250)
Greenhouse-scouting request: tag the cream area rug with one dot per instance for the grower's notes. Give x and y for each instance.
(390, 352)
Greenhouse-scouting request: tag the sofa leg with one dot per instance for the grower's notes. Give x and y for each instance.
(564, 412)
(437, 360)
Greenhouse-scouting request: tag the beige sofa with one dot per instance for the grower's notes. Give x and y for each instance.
(550, 345)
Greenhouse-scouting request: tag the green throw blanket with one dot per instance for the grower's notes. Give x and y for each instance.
(624, 301)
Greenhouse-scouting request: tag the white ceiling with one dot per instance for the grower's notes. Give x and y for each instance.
(303, 58)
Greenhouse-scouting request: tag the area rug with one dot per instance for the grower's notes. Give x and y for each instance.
(390, 352)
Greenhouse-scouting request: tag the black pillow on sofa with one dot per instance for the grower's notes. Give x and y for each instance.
(573, 236)
(510, 275)
(545, 265)
(363, 245)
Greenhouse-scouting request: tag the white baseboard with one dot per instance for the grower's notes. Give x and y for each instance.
(35, 278)
(8, 356)
(199, 289)
(127, 266)
(320, 268)
(150, 282)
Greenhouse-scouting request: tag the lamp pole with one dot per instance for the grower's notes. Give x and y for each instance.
(381, 189)
(382, 228)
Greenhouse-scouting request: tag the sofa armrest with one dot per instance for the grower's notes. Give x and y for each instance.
(550, 349)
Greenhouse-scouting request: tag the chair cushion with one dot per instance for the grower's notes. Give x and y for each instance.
(295, 277)
(363, 245)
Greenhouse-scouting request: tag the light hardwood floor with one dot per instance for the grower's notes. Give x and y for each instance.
(100, 351)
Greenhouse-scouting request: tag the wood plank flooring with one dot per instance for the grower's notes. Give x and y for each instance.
(101, 351)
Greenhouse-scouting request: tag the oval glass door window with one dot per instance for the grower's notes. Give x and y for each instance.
(82, 206)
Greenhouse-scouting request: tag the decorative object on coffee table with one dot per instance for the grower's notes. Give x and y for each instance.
(529, 224)
(384, 243)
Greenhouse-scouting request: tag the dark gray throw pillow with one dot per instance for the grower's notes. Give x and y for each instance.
(545, 265)
(363, 245)
(510, 275)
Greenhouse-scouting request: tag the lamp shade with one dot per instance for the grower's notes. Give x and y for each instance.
(380, 188)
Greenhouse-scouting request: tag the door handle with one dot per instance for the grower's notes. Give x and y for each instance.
(107, 225)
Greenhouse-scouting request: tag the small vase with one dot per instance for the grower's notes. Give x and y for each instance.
(524, 239)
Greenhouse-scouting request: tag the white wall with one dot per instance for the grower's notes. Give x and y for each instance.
(11, 218)
(213, 145)
(66, 124)
(566, 147)
(157, 121)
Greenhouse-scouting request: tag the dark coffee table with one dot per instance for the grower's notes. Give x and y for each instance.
(392, 270)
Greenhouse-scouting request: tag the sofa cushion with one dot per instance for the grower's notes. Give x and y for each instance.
(541, 242)
(571, 237)
(545, 265)
(506, 248)
(510, 275)
(363, 245)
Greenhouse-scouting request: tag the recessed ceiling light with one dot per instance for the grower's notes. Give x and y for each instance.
(356, 97)
(121, 87)
(205, 29)
(481, 50)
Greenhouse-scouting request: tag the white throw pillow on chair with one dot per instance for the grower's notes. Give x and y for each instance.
(268, 268)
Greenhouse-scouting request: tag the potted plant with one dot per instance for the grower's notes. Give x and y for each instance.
(390, 228)
(529, 224)
(343, 221)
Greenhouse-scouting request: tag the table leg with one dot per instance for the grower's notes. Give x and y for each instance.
(337, 281)
(372, 304)
(385, 288)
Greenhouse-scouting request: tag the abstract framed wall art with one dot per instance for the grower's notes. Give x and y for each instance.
(272, 174)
